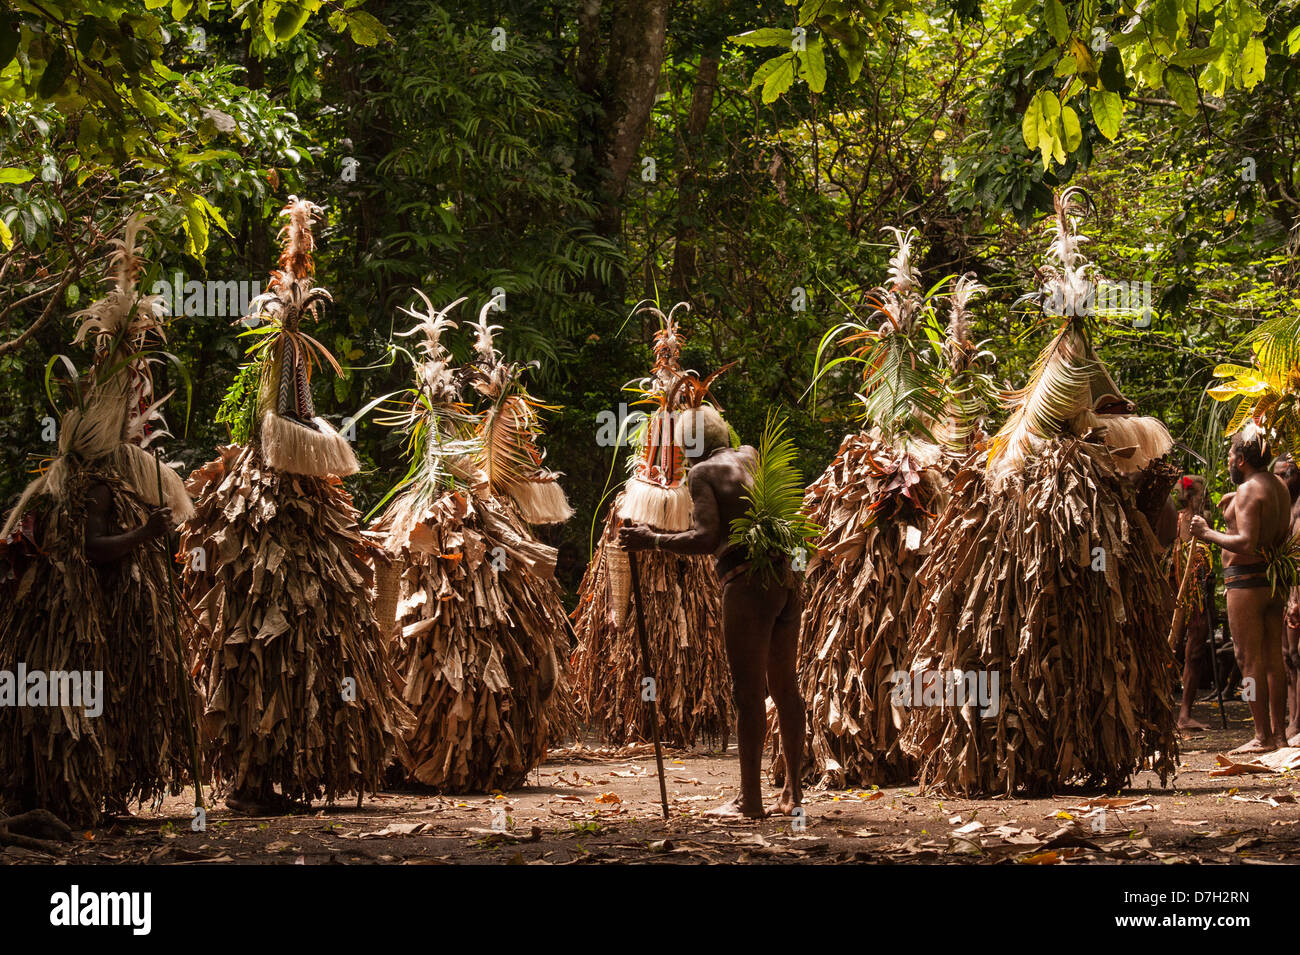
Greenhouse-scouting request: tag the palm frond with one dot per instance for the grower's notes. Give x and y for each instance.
(1059, 388)
(774, 525)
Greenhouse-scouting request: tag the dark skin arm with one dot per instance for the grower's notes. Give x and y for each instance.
(705, 537)
(105, 547)
(1245, 541)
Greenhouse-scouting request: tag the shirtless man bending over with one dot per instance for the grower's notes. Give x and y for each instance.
(760, 620)
(1258, 517)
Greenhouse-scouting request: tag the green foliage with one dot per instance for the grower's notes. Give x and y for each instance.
(238, 409)
(774, 526)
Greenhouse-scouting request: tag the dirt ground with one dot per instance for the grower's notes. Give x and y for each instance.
(587, 806)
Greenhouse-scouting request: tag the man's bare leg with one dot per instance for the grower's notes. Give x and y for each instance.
(783, 685)
(1193, 651)
(748, 615)
(1274, 666)
(1291, 659)
(1247, 609)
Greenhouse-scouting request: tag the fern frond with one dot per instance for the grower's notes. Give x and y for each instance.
(774, 525)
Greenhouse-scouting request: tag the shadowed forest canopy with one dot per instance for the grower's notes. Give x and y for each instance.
(582, 155)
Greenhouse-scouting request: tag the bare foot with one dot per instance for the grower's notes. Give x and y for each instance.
(734, 810)
(1293, 740)
(1256, 745)
(785, 805)
(1190, 725)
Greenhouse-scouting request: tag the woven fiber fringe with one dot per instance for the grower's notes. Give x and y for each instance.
(1085, 677)
(857, 617)
(482, 638)
(541, 502)
(667, 509)
(683, 614)
(296, 449)
(64, 614)
(281, 595)
(140, 472)
(1149, 438)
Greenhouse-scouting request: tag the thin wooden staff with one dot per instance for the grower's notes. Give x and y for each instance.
(644, 644)
(1176, 628)
(180, 654)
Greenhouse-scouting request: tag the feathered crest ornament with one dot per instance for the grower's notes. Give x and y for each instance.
(656, 492)
(1070, 391)
(967, 387)
(293, 437)
(509, 425)
(442, 444)
(117, 415)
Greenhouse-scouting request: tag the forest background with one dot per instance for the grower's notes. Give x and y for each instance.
(584, 155)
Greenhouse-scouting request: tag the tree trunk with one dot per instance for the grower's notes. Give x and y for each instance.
(636, 52)
(688, 200)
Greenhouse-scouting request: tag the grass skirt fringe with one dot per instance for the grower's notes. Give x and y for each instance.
(296, 679)
(64, 614)
(1085, 676)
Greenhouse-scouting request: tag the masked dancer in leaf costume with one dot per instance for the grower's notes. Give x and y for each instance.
(89, 596)
(680, 592)
(297, 683)
(1043, 588)
(474, 603)
(874, 503)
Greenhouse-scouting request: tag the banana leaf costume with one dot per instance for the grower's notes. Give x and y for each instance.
(59, 611)
(470, 595)
(681, 594)
(296, 677)
(1043, 570)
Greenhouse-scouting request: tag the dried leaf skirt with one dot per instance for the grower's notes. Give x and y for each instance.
(1085, 677)
(683, 615)
(482, 636)
(64, 614)
(857, 618)
(297, 684)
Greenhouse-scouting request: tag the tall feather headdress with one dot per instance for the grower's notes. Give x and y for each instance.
(1069, 388)
(509, 426)
(293, 437)
(117, 415)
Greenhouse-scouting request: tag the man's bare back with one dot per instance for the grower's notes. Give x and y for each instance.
(719, 483)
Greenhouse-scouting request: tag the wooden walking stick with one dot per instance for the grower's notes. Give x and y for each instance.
(180, 653)
(1194, 555)
(644, 644)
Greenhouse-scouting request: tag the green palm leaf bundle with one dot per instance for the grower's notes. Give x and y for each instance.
(774, 527)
